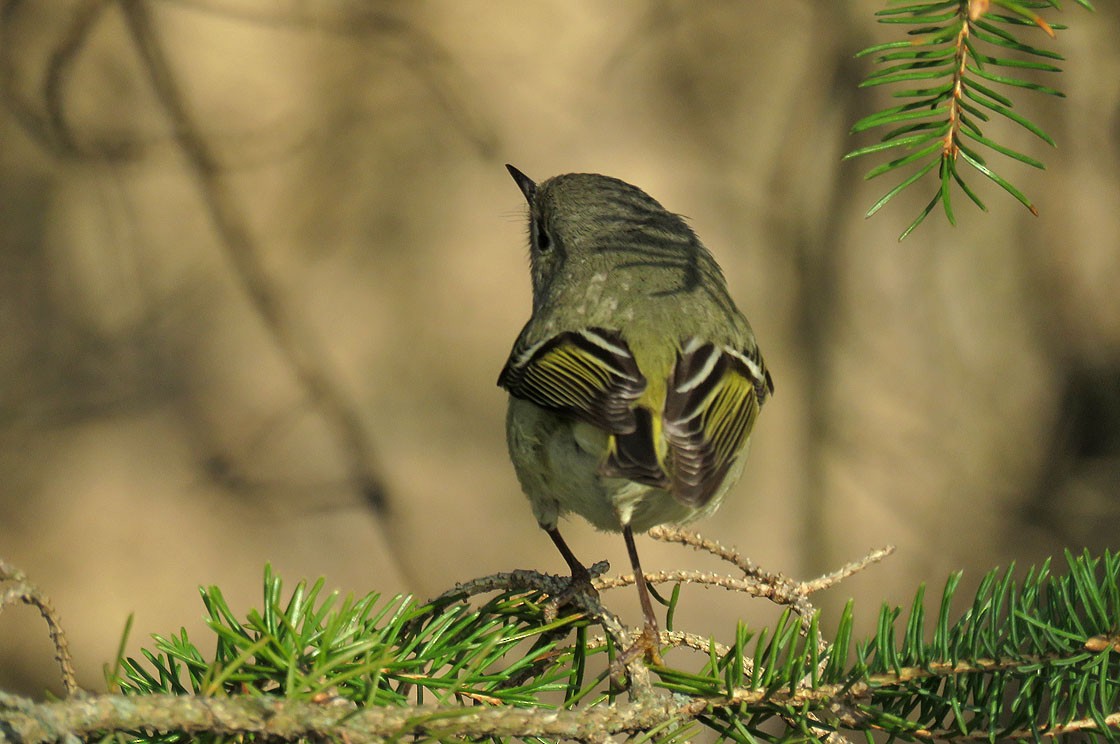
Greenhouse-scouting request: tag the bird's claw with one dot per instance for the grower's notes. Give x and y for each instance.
(579, 587)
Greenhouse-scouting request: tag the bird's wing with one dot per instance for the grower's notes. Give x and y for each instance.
(589, 374)
(712, 400)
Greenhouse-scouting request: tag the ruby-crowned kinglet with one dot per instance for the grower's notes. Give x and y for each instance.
(636, 382)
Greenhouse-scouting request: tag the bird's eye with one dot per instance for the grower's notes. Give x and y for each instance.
(544, 242)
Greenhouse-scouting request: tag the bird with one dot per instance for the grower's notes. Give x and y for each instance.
(636, 382)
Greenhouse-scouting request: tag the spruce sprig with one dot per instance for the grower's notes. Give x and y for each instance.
(1028, 658)
(957, 70)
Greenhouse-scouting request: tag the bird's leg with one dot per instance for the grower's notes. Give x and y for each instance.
(580, 585)
(580, 574)
(650, 640)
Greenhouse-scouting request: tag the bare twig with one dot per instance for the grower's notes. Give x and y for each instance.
(835, 577)
(694, 540)
(758, 583)
(679, 638)
(777, 589)
(27, 593)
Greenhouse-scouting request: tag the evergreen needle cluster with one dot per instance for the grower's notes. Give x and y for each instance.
(1029, 658)
(960, 65)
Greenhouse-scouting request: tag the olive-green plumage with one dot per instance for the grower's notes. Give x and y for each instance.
(636, 382)
(611, 263)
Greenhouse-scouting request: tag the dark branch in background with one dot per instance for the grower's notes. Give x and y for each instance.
(77, 33)
(49, 127)
(301, 349)
(45, 119)
(818, 266)
(40, 108)
(425, 57)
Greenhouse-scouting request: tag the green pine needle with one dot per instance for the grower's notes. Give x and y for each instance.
(905, 160)
(1029, 653)
(959, 56)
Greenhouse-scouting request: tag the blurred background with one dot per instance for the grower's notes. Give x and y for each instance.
(260, 266)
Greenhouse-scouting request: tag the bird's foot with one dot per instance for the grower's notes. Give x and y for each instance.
(627, 673)
(580, 590)
(648, 644)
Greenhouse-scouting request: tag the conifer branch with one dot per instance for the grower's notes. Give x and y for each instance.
(958, 67)
(1033, 657)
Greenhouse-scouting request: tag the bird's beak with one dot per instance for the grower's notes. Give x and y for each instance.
(528, 188)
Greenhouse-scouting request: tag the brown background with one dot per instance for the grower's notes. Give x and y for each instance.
(957, 395)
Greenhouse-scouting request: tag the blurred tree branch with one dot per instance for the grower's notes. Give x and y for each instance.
(41, 110)
(301, 348)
